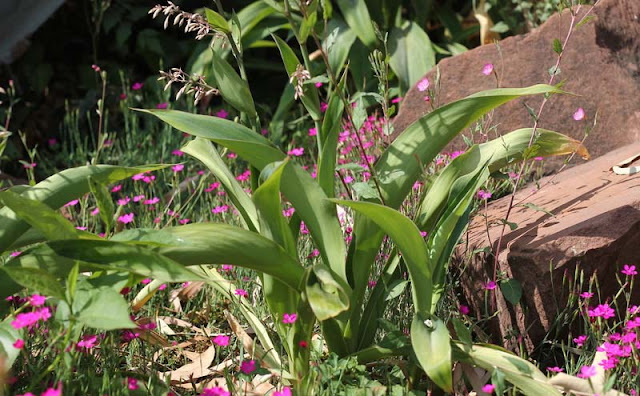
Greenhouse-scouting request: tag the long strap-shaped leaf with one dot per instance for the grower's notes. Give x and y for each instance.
(61, 188)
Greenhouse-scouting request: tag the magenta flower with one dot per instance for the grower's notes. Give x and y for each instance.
(19, 344)
(629, 270)
(28, 319)
(215, 391)
(137, 86)
(53, 391)
(151, 201)
(579, 114)
(491, 285)
(483, 194)
(609, 364)
(286, 391)
(53, 141)
(396, 100)
(37, 300)
(162, 286)
(162, 105)
(88, 341)
(177, 168)
(318, 84)
(132, 383)
(72, 203)
(423, 85)
(555, 369)
(138, 198)
(487, 69)
(123, 201)
(241, 293)
(248, 366)
(289, 318)
(313, 131)
(179, 153)
(222, 113)
(288, 212)
(116, 188)
(603, 311)
(488, 388)
(580, 340)
(126, 218)
(220, 209)
(29, 166)
(464, 309)
(15, 254)
(297, 152)
(587, 372)
(95, 211)
(323, 107)
(586, 294)
(221, 340)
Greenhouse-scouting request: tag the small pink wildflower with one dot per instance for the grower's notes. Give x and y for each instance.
(126, 218)
(488, 388)
(587, 372)
(123, 96)
(483, 194)
(318, 84)
(288, 212)
(184, 221)
(177, 168)
(579, 114)
(464, 309)
(72, 203)
(303, 344)
(30, 166)
(221, 340)
(151, 201)
(487, 69)
(88, 341)
(123, 201)
(132, 383)
(629, 270)
(286, 391)
(232, 155)
(138, 198)
(396, 100)
(215, 391)
(427, 98)
(538, 158)
(220, 209)
(297, 152)
(423, 85)
(116, 188)
(162, 105)
(289, 318)
(580, 340)
(241, 293)
(146, 281)
(178, 153)
(95, 68)
(19, 344)
(555, 369)
(15, 254)
(603, 311)
(248, 366)
(137, 86)
(162, 286)
(95, 211)
(37, 300)
(323, 107)
(586, 294)
(53, 391)
(491, 285)
(222, 113)
(609, 363)
(314, 253)
(313, 131)
(53, 141)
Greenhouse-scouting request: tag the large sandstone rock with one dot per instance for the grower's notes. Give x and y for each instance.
(595, 225)
(602, 64)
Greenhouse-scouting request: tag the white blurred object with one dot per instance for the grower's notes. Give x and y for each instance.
(18, 19)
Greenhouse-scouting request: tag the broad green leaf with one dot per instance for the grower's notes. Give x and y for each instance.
(407, 238)
(248, 144)
(521, 373)
(104, 202)
(338, 44)
(123, 257)
(412, 55)
(432, 345)
(463, 332)
(36, 280)
(396, 289)
(356, 14)
(512, 290)
(309, 23)
(324, 293)
(208, 243)
(310, 98)
(61, 188)
(40, 216)
(425, 138)
(8, 336)
(233, 89)
(217, 21)
(104, 309)
(204, 151)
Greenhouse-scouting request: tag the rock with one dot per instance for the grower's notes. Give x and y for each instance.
(601, 64)
(594, 226)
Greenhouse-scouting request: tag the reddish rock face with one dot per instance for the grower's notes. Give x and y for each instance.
(602, 64)
(595, 226)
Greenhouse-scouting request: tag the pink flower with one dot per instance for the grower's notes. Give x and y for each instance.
(28, 319)
(289, 318)
(123, 96)
(95, 211)
(580, 340)
(488, 388)
(629, 270)
(162, 286)
(286, 391)
(579, 114)
(396, 100)
(138, 198)
(313, 131)
(490, 285)
(220, 209)
(555, 369)
(318, 84)
(126, 218)
(221, 340)
(241, 293)
(323, 107)
(123, 201)
(423, 234)
(423, 85)
(427, 98)
(95, 68)
(177, 168)
(484, 194)
(88, 341)
(248, 366)
(603, 310)
(288, 212)
(71, 203)
(184, 221)
(53, 391)
(146, 281)
(586, 294)
(212, 187)
(296, 151)
(15, 254)
(303, 344)
(116, 188)
(19, 344)
(487, 69)
(162, 105)
(37, 300)
(53, 141)
(222, 113)
(464, 309)
(215, 391)
(179, 153)
(587, 372)
(609, 364)
(137, 86)
(151, 201)
(232, 155)
(132, 383)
